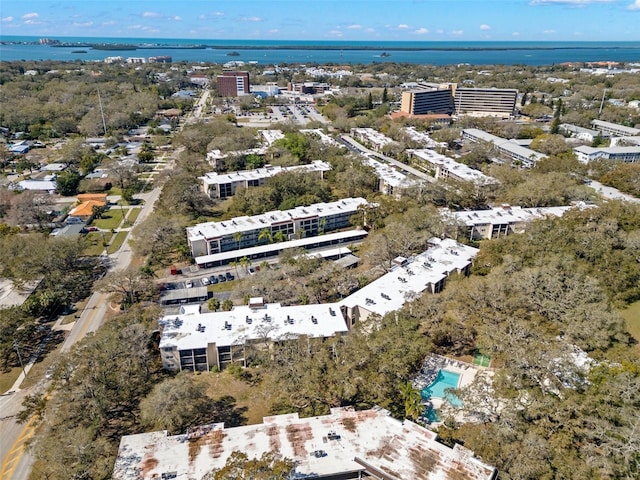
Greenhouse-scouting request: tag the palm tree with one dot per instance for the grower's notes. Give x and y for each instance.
(265, 234)
(237, 236)
(245, 262)
(412, 398)
(234, 264)
(280, 236)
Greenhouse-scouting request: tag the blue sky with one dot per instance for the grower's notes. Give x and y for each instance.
(408, 20)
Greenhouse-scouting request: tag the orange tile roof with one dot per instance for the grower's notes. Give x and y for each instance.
(85, 209)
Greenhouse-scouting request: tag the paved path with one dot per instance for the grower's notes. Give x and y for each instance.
(612, 193)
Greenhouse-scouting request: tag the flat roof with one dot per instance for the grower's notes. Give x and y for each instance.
(347, 441)
(616, 126)
(271, 136)
(245, 323)
(403, 283)
(387, 173)
(212, 230)
(341, 237)
(505, 214)
(422, 137)
(214, 178)
(458, 169)
(324, 138)
(372, 135)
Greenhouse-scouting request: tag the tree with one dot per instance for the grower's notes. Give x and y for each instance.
(412, 399)
(98, 210)
(265, 234)
(213, 304)
(369, 102)
(146, 154)
(67, 183)
(227, 305)
(270, 466)
(385, 95)
(130, 286)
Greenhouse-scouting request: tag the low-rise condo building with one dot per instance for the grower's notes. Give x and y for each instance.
(344, 445)
(509, 148)
(376, 140)
(224, 185)
(249, 231)
(614, 129)
(444, 168)
(587, 154)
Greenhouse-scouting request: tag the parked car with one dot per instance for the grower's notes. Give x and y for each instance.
(205, 281)
(213, 279)
(92, 229)
(252, 271)
(229, 276)
(222, 278)
(189, 284)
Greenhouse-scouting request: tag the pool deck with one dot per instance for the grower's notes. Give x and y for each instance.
(429, 371)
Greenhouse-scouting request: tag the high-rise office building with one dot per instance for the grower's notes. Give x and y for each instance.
(427, 99)
(233, 84)
(488, 101)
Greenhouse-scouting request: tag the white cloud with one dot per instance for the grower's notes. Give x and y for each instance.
(274, 30)
(403, 26)
(151, 15)
(335, 33)
(251, 19)
(7, 19)
(516, 34)
(29, 16)
(634, 6)
(32, 22)
(421, 31)
(440, 31)
(548, 32)
(82, 24)
(110, 22)
(176, 18)
(134, 27)
(354, 27)
(457, 32)
(370, 30)
(577, 3)
(484, 26)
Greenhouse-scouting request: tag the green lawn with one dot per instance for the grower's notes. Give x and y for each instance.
(7, 379)
(117, 242)
(133, 214)
(221, 287)
(94, 242)
(111, 219)
(632, 316)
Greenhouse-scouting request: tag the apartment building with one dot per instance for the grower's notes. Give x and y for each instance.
(374, 139)
(249, 231)
(343, 445)
(408, 279)
(614, 129)
(224, 185)
(444, 168)
(233, 84)
(309, 88)
(390, 180)
(427, 99)
(200, 341)
(581, 133)
(499, 102)
(509, 148)
(587, 154)
(500, 221)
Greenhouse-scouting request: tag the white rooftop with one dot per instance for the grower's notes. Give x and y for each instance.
(324, 138)
(505, 214)
(423, 138)
(615, 126)
(404, 283)
(38, 185)
(272, 136)
(345, 441)
(214, 178)
(247, 322)
(372, 136)
(245, 223)
(388, 174)
(460, 170)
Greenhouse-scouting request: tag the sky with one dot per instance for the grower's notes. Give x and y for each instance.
(345, 20)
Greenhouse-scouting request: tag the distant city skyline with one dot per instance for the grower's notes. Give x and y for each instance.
(346, 20)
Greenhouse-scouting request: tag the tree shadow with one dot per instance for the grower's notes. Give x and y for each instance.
(228, 412)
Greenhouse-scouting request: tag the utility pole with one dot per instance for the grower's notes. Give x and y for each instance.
(104, 124)
(15, 345)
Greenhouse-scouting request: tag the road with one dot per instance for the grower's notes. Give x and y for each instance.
(16, 459)
(612, 193)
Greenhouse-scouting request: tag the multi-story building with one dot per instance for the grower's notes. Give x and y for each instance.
(376, 140)
(509, 148)
(427, 99)
(444, 168)
(309, 88)
(408, 279)
(344, 445)
(499, 102)
(217, 185)
(390, 180)
(621, 154)
(233, 84)
(500, 221)
(581, 133)
(614, 129)
(244, 232)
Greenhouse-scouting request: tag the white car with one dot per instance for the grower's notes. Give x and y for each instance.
(189, 284)
(205, 281)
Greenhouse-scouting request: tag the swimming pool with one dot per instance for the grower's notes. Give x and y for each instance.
(444, 380)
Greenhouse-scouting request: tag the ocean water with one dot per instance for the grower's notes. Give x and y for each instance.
(321, 52)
